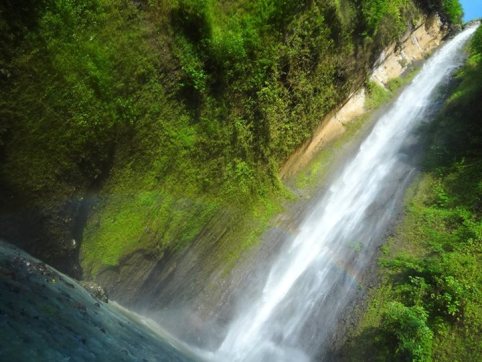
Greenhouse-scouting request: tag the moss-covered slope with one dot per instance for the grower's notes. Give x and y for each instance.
(129, 125)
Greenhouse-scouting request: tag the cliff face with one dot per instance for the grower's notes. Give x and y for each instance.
(143, 133)
(150, 284)
(394, 61)
(414, 46)
(143, 143)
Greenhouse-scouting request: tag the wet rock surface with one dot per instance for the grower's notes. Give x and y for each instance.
(95, 290)
(47, 316)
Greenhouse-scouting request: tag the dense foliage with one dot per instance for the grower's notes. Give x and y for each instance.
(407, 329)
(450, 9)
(429, 303)
(175, 110)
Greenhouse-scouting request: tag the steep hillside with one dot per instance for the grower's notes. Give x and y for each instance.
(427, 305)
(134, 126)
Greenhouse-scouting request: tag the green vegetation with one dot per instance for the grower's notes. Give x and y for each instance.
(318, 169)
(428, 305)
(450, 10)
(385, 16)
(379, 95)
(453, 10)
(406, 328)
(173, 111)
(315, 173)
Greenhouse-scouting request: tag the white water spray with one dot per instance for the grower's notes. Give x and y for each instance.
(311, 281)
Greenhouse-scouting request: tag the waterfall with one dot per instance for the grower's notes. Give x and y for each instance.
(313, 278)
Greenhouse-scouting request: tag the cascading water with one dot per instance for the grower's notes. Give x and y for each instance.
(313, 278)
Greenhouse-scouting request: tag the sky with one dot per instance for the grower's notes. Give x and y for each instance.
(472, 9)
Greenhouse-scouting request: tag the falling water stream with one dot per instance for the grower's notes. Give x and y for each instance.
(313, 278)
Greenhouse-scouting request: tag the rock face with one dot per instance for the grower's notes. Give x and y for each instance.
(50, 232)
(47, 316)
(392, 63)
(330, 128)
(414, 46)
(187, 292)
(95, 290)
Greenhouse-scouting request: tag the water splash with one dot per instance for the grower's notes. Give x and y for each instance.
(312, 280)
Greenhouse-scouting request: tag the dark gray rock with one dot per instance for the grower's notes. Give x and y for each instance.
(95, 290)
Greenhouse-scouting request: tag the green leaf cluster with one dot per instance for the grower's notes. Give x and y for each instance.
(406, 328)
(450, 10)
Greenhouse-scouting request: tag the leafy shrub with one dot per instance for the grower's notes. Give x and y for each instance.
(385, 19)
(450, 296)
(408, 334)
(453, 10)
